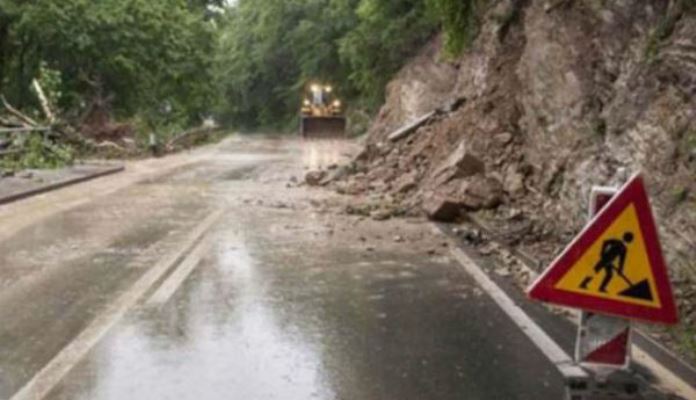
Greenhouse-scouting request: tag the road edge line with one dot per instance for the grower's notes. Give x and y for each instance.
(59, 185)
(546, 345)
(643, 357)
(41, 384)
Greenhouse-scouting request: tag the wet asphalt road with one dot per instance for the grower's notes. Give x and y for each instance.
(281, 299)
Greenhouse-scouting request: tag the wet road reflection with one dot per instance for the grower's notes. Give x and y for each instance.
(292, 301)
(219, 337)
(321, 153)
(278, 311)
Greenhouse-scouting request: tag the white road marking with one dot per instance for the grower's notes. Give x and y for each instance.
(53, 372)
(177, 278)
(548, 346)
(667, 379)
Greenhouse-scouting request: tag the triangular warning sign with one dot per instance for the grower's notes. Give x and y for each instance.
(615, 265)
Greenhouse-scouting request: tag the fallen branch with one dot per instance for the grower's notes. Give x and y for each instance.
(110, 144)
(408, 129)
(17, 113)
(43, 100)
(185, 134)
(24, 129)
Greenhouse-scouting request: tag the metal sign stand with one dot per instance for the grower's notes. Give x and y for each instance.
(603, 344)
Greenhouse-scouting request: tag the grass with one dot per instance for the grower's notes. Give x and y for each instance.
(686, 340)
(37, 152)
(680, 194)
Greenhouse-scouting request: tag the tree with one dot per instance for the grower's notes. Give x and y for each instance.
(387, 34)
(271, 49)
(131, 56)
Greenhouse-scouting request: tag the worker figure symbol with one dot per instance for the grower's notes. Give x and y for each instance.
(612, 262)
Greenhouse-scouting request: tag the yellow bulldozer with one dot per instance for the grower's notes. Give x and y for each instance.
(322, 113)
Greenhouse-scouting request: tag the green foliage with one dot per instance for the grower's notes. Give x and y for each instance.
(132, 55)
(459, 22)
(665, 27)
(387, 34)
(38, 152)
(691, 139)
(165, 64)
(269, 50)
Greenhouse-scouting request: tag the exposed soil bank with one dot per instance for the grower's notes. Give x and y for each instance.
(552, 98)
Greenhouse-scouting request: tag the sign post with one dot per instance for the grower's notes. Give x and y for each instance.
(614, 272)
(603, 342)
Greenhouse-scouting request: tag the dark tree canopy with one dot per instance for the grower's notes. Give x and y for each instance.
(176, 61)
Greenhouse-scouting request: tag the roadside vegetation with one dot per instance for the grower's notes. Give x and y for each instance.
(119, 71)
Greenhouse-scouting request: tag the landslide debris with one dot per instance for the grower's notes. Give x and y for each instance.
(546, 103)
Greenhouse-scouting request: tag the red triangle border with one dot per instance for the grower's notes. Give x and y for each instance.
(633, 192)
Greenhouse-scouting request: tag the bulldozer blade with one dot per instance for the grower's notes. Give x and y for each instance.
(323, 127)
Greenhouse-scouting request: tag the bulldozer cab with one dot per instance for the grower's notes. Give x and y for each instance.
(322, 113)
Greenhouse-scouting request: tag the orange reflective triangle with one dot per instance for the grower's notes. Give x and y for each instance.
(615, 265)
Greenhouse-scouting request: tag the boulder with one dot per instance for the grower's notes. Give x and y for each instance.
(461, 163)
(439, 207)
(481, 192)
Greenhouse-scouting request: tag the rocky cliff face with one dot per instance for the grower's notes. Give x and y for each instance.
(552, 98)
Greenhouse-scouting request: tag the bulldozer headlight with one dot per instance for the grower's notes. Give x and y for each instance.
(337, 103)
(328, 89)
(315, 88)
(307, 102)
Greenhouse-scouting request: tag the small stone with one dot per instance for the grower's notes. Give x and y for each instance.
(398, 239)
(380, 215)
(314, 178)
(503, 139)
(486, 250)
(25, 175)
(504, 272)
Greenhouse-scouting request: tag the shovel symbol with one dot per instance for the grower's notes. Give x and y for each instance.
(614, 252)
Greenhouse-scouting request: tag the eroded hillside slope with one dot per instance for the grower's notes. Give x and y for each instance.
(552, 98)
